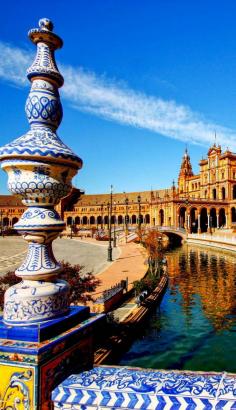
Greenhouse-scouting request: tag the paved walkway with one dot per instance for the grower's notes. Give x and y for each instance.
(130, 264)
(88, 253)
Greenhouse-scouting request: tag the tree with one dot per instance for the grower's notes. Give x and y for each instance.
(153, 244)
(81, 286)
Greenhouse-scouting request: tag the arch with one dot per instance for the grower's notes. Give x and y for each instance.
(133, 219)
(92, 220)
(147, 219)
(234, 191)
(182, 217)
(161, 217)
(5, 221)
(233, 214)
(99, 220)
(203, 220)
(106, 219)
(120, 219)
(113, 219)
(223, 192)
(213, 218)
(141, 218)
(222, 218)
(193, 220)
(84, 220)
(15, 220)
(214, 193)
(69, 220)
(77, 220)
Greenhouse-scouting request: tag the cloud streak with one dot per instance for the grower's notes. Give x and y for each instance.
(114, 101)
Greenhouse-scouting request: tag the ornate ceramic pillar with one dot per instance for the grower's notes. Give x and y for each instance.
(40, 168)
(42, 340)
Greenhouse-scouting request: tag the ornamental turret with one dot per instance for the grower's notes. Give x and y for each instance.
(40, 168)
(185, 172)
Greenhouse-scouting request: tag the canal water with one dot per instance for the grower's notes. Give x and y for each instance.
(194, 328)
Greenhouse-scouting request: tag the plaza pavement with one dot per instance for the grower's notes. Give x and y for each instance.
(90, 253)
(129, 260)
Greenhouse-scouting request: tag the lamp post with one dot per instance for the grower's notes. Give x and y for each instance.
(71, 228)
(109, 255)
(102, 216)
(139, 217)
(1, 214)
(114, 227)
(126, 218)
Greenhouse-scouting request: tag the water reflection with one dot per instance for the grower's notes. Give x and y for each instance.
(194, 328)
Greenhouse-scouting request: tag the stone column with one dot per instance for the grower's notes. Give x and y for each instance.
(199, 223)
(217, 220)
(208, 223)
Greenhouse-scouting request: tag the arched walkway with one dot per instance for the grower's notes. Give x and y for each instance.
(69, 220)
(193, 220)
(99, 220)
(203, 220)
(133, 220)
(182, 217)
(15, 220)
(106, 220)
(84, 220)
(222, 218)
(147, 219)
(213, 218)
(92, 220)
(77, 220)
(233, 214)
(120, 219)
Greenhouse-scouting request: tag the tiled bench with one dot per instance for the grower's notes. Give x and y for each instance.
(108, 387)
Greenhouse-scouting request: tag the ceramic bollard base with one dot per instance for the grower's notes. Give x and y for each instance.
(35, 359)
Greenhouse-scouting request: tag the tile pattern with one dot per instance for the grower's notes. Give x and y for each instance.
(127, 388)
(40, 169)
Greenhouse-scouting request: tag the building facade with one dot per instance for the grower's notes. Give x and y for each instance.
(199, 203)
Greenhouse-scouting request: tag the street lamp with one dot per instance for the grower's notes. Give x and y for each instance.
(114, 227)
(139, 216)
(1, 214)
(109, 255)
(126, 218)
(102, 216)
(71, 228)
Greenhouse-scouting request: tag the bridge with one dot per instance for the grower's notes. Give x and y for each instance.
(172, 232)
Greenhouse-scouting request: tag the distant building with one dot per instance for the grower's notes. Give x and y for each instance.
(200, 203)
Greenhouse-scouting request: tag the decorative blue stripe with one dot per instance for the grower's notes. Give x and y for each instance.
(54, 154)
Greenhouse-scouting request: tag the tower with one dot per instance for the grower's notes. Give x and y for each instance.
(185, 172)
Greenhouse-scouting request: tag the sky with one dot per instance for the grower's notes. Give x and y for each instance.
(143, 80)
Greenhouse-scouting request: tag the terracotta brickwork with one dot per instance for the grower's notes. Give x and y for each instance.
(199, 203)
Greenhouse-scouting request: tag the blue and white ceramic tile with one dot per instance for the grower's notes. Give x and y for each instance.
(40, 169)
(126, 388)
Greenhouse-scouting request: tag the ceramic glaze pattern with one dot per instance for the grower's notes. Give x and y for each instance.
(127, 388)
(40, 169)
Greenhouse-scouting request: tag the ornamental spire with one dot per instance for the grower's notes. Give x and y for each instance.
(44, 65)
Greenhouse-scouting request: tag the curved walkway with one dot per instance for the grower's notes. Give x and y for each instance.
(130, 264)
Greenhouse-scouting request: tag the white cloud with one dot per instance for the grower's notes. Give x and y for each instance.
(114, 101)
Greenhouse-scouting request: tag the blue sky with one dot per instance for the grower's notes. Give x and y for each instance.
(142, 80)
